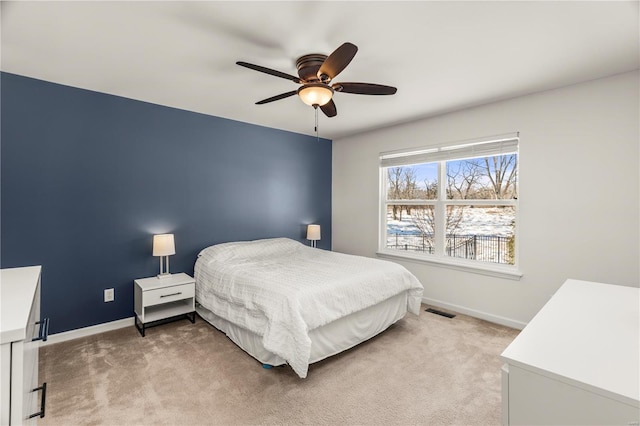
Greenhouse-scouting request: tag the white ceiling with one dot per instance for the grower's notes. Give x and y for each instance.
(442, 56)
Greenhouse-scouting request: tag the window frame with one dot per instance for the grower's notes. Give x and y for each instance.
(439, 257)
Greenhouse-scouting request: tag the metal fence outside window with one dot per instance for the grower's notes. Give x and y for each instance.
(484, 248)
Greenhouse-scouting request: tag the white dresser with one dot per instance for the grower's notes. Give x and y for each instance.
(22, 399)
(577, 361)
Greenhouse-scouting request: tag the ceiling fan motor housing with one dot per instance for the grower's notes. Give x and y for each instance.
(308, 66)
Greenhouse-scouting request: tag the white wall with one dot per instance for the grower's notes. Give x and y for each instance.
(579, 194)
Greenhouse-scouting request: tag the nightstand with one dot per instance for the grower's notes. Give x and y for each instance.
(157, 299)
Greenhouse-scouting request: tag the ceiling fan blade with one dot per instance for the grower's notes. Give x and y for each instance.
(337, 61)
(277, 97)
(364, 88)
(329, 109)
(269, 71)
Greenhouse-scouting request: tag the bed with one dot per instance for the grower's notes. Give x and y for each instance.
(286, 303)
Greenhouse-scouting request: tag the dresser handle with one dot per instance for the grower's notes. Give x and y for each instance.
(172, 294)
(43, 399)
(43, 331)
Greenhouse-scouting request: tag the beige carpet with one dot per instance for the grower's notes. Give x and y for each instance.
(423, 370)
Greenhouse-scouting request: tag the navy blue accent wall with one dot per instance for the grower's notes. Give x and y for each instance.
(88, 178)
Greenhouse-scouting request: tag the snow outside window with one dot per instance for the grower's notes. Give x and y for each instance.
(453, 204)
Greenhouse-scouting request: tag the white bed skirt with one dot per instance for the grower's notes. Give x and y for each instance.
(327, 340)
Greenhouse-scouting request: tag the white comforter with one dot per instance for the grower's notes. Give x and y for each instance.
(280, 289)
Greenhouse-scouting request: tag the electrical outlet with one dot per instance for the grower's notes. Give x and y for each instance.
(109, 295)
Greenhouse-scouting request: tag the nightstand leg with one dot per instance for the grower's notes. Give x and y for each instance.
(135, 322)
(192, 318)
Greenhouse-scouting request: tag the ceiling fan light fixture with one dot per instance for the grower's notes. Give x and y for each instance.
(315, 94)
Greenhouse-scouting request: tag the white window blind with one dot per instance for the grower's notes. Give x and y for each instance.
(486, 147)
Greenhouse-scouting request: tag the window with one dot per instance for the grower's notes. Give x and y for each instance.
(453, 204)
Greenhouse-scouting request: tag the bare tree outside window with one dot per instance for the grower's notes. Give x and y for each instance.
(463, 179)
(502, 172)
(483, 178)
(423, 217)
(394, 189)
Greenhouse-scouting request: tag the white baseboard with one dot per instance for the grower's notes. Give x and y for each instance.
(87, 331)
(128, 322)
(519, 325)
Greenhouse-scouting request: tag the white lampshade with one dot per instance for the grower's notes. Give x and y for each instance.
(313, 232)
(163, 245)
(315, 94)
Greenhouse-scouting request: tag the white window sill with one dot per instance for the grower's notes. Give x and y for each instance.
(493, 270)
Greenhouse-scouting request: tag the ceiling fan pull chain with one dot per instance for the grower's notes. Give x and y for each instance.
(315, 107)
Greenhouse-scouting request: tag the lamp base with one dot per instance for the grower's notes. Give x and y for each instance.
(164, 271)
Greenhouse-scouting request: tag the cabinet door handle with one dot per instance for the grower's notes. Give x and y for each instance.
(43, 331)
(172, 294)
(43, 399)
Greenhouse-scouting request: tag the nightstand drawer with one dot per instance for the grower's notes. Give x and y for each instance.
(168, 294)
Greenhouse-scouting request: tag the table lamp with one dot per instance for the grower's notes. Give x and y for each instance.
(313, 234)
(164, 246)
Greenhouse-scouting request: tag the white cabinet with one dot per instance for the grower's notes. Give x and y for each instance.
(578, 361)
(22, 400)
(157, 299)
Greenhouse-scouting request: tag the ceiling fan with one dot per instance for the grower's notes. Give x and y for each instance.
(315, 72)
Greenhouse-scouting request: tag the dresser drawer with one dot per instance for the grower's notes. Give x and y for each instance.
(169, 294)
